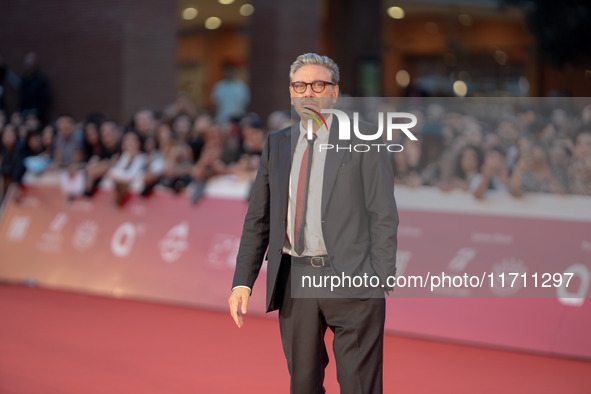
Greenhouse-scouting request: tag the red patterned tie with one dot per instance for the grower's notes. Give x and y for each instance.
(302, 197)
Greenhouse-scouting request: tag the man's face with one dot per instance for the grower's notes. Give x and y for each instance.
(309, 98)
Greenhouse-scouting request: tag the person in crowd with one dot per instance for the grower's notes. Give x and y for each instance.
(230, 96)
(253, 141)
(30, 122)
(406, 164)
(468, 164)
(29, 159)
(525, 117)
(562, 121)
(181, 127)
(72, 182)
(34, 88)
(128, 168)
(210, 162)
(249, 153)
(508, 131)
(431, 150)
(452, 123)
(22, 131)
(68, 156)
(446, 176)
(543, 131)
(522, 147)
(9, 146)
(197, 137)
(156, 159)
(48, 140)
(68, 145)
(278, 120)
(181, 106)
(579, 172)
(92, 141)
(533, 173)
(99, 163)
(560, 156)
(232, 131)
(16, 119)
(492, 141)
(493, 174)
(179, 162)
(473, 132)
(144, 124)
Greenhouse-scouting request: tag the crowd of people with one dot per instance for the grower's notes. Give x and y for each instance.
(524, 150)
(171, 149)
(516, 149)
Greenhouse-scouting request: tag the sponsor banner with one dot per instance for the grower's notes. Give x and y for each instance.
(164, 249)
(160, 248)
(462, 255)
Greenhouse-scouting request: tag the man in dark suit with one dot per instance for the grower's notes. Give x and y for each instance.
(322, 212)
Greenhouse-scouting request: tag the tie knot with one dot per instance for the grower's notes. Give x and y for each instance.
(314, 137)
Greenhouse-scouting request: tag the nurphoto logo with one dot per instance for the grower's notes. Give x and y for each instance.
(345, 129)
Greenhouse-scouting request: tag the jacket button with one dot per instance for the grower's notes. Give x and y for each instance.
(280, 251)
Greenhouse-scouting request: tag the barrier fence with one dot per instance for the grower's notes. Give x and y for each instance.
(162, 248)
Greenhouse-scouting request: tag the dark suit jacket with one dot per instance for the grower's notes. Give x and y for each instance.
(359, 215)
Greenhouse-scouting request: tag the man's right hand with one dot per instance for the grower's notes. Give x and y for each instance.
(240, 296)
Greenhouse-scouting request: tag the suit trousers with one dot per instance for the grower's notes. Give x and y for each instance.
(358, 327)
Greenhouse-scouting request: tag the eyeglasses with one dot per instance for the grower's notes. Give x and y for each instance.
(317, 86)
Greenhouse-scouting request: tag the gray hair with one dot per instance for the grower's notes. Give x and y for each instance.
(315, 59)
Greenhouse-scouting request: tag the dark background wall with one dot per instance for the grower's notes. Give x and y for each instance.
(119, 56)
(106, 55)
(281, 30)
(348, 31)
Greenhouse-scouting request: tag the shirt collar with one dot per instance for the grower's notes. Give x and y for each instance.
(322, 132)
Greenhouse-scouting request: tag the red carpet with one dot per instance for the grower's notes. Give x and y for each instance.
(61, 342)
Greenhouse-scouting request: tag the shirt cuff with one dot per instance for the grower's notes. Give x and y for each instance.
(246, 287)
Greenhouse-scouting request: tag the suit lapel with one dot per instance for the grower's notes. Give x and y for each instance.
(285, 151)
(331, 165)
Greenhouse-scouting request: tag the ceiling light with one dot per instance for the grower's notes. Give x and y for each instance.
(213, 22)
(246, 9)
(190, 13)
(396, 12)
(460, 88)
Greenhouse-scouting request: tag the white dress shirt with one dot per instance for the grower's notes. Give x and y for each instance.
(314, 245)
